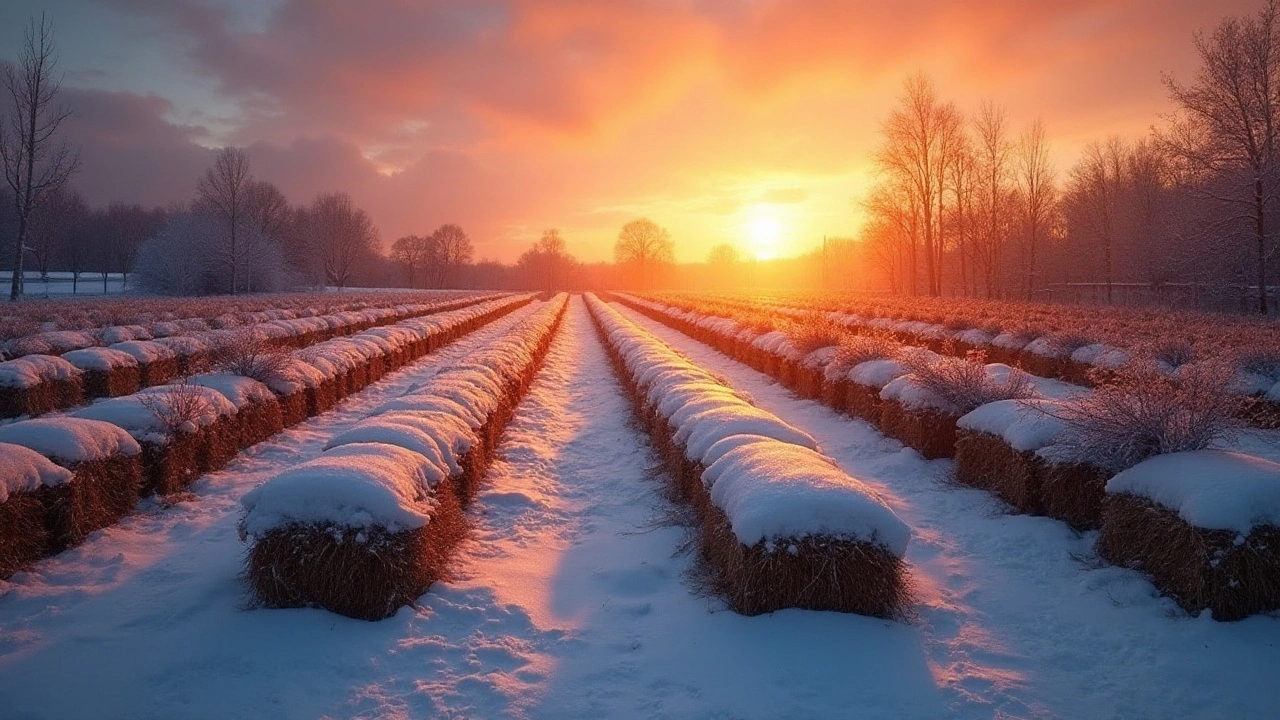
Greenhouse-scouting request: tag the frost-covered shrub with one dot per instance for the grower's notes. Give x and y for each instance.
(1141, 411)
(179, 406)
(1174, 353)
(246, 354)
(815, 331)
(965, 383)
(191, 255)
(856, 349)
(1265, 363)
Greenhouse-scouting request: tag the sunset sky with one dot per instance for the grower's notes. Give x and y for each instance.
(722, 120)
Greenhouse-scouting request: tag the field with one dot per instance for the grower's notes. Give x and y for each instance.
(722, 506)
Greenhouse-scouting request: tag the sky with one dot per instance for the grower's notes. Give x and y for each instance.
(752, 122)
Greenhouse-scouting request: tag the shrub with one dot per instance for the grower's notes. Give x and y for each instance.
(1139, 412)
(178, 406)
(855, 349)
(246, 354)
(815, 331)
(965, 383)
(1263, 362)
(1174, 353)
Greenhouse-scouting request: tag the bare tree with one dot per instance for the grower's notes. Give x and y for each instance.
(453, 249)
(1036, 191)
(548, 263)
(52, 225)
(1230, 117)
(920, 140)
(723, 256)
(35, 162)
(224, 190)
(993, 185)
(343, 235)
(1095, 189)
(644, 246)
(411, 252)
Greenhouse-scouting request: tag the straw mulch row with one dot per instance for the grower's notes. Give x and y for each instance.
(1199, 568)
(369, 574)
(816, 573)
(931, 433)
(36, 524)
(55, 393)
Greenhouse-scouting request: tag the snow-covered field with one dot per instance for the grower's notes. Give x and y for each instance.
(573, 598)
(59, 284)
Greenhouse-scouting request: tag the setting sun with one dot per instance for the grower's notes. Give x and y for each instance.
(764, 232)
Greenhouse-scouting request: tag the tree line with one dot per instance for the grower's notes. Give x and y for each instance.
(965, 204)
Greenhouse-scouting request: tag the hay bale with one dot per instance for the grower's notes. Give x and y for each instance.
(359, 531)
(157, 364)
(181, 428)
(257, 411)
(106, 372)
(1220, 570)
(863, 401)
(24, 538)
(1205, 525)
(1073, 493)
(105, 463)
(988, 462)
(1260, 412)
(36, 384)
(171, 464)
(25, 476)
(929, 431)
(293, 407)
(813, 573)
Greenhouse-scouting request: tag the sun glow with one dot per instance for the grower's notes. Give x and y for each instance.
(764, 232)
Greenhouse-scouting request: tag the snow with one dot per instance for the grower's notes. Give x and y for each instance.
(1025, 425)
(31, 370)
(98, 358)
(362, 485)
(778, 491)
(910, 393)
(25, 470)
(69, 439)
(1212, 489)
(238, 390)
(415, 437)
(573, 599)
(705, 429)
(876, 373)
(135, 415)
(145, 351)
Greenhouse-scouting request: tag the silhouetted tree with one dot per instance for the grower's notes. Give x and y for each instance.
(35, 162)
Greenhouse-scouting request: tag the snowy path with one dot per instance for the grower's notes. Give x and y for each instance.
(572, 600)
(1016, 614)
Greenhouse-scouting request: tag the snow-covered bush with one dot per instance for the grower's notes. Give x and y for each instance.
(179, 406)
(1141, 411)
(965, 383)
(243, 352)
(190, 256)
